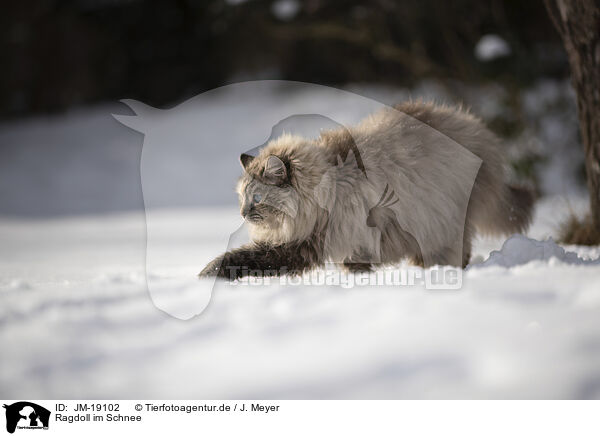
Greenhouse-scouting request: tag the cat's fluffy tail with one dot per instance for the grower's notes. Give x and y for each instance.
(511, 213)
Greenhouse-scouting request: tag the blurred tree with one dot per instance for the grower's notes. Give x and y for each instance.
(578, 23)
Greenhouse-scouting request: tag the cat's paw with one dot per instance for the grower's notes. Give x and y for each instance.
(213, 269)
(221, 268)
(208, 271)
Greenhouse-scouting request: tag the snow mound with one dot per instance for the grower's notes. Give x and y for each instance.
(521, 250)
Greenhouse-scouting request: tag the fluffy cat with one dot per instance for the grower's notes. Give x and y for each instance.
(411, 182)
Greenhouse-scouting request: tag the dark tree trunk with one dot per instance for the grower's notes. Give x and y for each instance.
(578, 22)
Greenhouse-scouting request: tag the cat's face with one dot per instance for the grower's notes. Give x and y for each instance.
(266, 195)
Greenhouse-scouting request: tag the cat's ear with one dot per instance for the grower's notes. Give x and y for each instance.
(245, 160)
(275, 170)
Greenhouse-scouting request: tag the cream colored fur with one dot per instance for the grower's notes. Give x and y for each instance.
(442, 170)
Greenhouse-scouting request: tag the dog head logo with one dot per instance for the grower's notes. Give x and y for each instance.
(26, 415)
(189, 161)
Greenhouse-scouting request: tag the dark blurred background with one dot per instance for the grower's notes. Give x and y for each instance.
(59, 53)
(65, 65)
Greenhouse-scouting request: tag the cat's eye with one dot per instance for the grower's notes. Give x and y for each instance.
(256, 198)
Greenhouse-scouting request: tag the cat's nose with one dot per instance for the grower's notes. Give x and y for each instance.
(246, 209)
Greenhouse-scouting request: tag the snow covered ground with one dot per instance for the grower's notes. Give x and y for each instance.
(77, 321)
